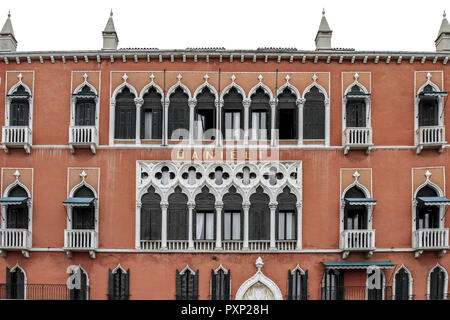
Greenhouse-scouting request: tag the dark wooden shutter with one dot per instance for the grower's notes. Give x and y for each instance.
(259, 216)
(227, 285)
(213, 285)
(195, 286)
(178, 112)
(340, 289)
(84, 286)
(304, 279)
(437, 284)
(178, 285)
(19, 113)
(290, 285)
(428, 112)
(402, 285)
(145, 223)
(356, 113)
(157, 124)
(314, 115)
(8, 283)
(177, 220)
(126, 285)
(287, 116)
(125, 115)
(110, 285)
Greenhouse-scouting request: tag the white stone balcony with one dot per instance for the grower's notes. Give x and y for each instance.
(83, 137)
(16, 137)
(80, 240)
(431, 137)
(15, 239)
(358, 139)
(430, 239)
(358, 241)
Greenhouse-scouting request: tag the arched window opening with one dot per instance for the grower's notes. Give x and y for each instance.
(287, 115)
(19, 107)
(177, 216)
(428, 108)
(259, 216)
(232, 217)
(85, 107)
(17, 214)
(427, 217)
(297, 285)
(355, 110)
(376, 293)
(402, 285)
(220, 284)
(178, 116)
(437, 282)
(314, 115)
(15, 283)
(333, 285)
(286, 216)
(204, 216)
(125, 117)
(205, 114)
(355, 216)
(79, 285)
(233, 115)
(83, 216)
(260, 115)
(118, 284)
(186, 285)
(151, 115)
(151, 215)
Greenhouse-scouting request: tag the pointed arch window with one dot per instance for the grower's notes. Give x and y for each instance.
(220, 284)
(204, 216)
(233, 115)
(177, 216)
(260, 115)
(287, 115)
(355, 216)
(428, 107)
(19, 108)
(333, 285)
(437, 284)
(151, 117)
(80, 285)
(151, 215)
(402, 285)
(85, 107)
(427, 217)
(355, 109)
(297, 284)
(178, 112)
(17, 209)
(259, 216)
(83, 217)
(205, 114)
(187, 284)
(125, 115)
(232, 217)
(286, 216)
(314, 115)
(118, 284)
(15, 283)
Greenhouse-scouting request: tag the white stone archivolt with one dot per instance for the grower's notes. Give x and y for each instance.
(259, 287)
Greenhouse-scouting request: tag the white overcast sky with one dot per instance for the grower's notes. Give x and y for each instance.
(234, 24)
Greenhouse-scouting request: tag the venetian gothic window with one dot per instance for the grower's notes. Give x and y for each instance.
(83, 217)
(233, 115)
(118, 284)
(297, 285)
(80, 285)
(232, 216)
(204, 114)
(178, 116)
(355, 216)
(17, 214)
(19, 107)
(151, 216)
(177, 216)
(287, 116)
(151, 115)
(402, 284)
(314, 115)
(220, 284)
(260, 116)
(333, 285)
(187, 284)
(15, 283)
(427, 217)
(428, 108)
(286, 216)
(85, 107)
(355, 110)
(437, 284)
(259, 216)
(204, 222)
(125, 117)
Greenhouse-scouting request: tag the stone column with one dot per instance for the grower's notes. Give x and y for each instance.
(164, 205)
(191, 207)
(246, 103)
(218, 206)
(327, 122)
(246, 207)
(139, 103)
(192, 103)
(273, 104)
(299, 226)
(166, 123)
(112, 117)
(273, 208)
(300, 104)
(219, 137)
(138, 224)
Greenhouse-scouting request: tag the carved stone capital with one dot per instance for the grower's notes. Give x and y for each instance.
(139, 102)
(273, 103)
(191, 205)
(246, 205)
(192, 103)
(112, 103)
(299, 205)
(246, 103)
(218, 205)
(273, 205)
(300, 101)
(138, 204)
(164, 204)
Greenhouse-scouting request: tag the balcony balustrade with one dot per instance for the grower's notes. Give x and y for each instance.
(35, 292)
(358, 138)
(80, 240)
(355, 293)
(83, 136)
(431, 137)
(357, 240)
(15, 239)
(430, 239)
(13, 137)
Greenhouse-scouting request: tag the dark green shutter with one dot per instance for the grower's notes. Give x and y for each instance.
(227, 289)
(290, 285)
(8, 283)
(195, 286)
(110, 285)
(340, 286)
(177, 285)
(213, 286)
(304, 279)
(126, 285)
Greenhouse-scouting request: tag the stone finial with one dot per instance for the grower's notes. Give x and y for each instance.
(17, 174)
(206, 77)
(259, 263)
(428, 174)
(20, 76)
(356, 175)
(110, 38)
(315, 77)
(442, 41)
(356, 76)
(323, 36)
(260, 78)
(152, 77)
(125, 77)
(429, 76)
(8, 40)
(233, 78)
(85, 76)
(179, 77)
(83, 175)
(287, 78)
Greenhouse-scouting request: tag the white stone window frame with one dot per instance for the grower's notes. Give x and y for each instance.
(25, 279)
(191, 191)
(383, 285)
(216, 271)
(445, 280)
(29, 205)
(299, 103)
(327, 113)
(70, 207)
(87, 280)
(112, 109)
(9, 99)
(416, 108)
(73, 102)
(410, 282)
(368, 102)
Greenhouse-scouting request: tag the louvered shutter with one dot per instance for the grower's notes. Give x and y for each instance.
(90, 113)
(80, 113)
(84, 287)
(177, 285)
(304, 279)
(8, 283)
(195, 286)
(428, 112)
(145, 223)
(213, 286)
(14, 114)
(340, 286)
(110, 285)
(227, 284)
(290, 285)
(126, 285)
(157, 124)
